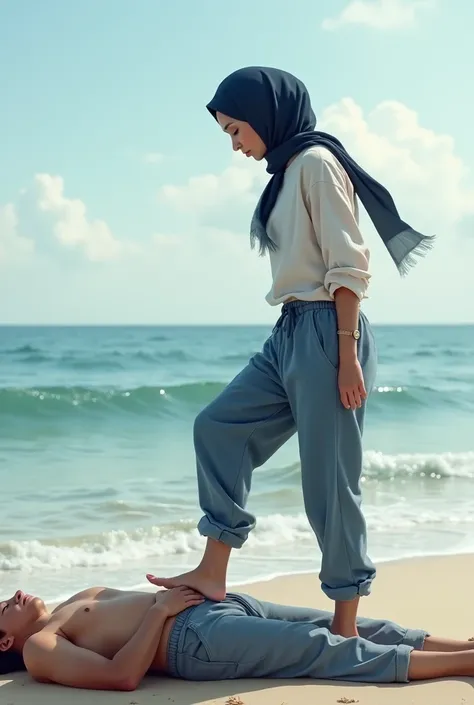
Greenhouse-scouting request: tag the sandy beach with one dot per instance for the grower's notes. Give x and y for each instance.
(431, 593)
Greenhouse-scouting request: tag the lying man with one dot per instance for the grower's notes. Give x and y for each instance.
(110, 639)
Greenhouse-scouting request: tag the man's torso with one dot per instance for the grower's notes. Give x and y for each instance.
(103, 620)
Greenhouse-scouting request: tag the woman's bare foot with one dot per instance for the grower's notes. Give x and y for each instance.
(196, 579)
(209, 578)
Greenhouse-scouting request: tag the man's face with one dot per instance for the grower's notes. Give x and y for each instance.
(17, 616)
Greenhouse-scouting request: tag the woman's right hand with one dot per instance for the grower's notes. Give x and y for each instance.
(177, 599)
(351, 384)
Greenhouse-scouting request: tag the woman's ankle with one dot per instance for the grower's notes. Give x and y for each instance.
(215, 559)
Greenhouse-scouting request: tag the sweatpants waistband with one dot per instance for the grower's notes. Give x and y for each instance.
(299, 305)
(175, 642)
(292, 309)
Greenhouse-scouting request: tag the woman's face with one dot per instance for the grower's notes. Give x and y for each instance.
(243, 136)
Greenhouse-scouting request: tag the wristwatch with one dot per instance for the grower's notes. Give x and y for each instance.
(354, 333)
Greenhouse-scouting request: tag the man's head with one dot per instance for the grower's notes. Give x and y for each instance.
(20, 616)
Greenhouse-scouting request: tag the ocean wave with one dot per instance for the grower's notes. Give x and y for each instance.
(34, 358)
(274, 533)
(110, 360)
(396, 398)
(28, 402)
(443, 352)
(156, 400)
(385, 467)
(21, 350)
(433, 466)
(240, 358)
(158, 338)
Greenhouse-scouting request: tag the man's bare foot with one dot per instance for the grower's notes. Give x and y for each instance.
(196, 579)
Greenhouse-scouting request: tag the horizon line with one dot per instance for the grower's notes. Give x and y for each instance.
(211, 325)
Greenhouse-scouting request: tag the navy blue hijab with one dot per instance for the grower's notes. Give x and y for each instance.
(278, 107)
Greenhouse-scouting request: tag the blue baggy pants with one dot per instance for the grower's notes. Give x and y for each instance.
(292, 386)
(242, 637)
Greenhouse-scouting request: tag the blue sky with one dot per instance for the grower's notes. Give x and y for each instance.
(120, 200)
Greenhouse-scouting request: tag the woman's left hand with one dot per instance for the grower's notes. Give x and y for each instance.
(351, 384)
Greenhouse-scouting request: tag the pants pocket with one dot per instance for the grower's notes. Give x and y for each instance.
(197, 663)
(325, 336)
(194, 669)
(368, 352)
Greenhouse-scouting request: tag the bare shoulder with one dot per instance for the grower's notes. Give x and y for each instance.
(49, 658)
(36, 652)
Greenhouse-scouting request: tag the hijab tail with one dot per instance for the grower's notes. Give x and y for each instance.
(259, 235)
(407, 246)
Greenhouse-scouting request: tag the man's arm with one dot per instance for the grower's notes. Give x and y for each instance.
(50, 658)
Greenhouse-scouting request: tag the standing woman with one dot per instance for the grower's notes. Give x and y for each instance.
(313, 373)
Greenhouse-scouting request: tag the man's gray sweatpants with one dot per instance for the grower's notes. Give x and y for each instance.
(292, 386)
(242, 637)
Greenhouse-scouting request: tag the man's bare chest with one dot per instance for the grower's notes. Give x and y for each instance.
(101, 622)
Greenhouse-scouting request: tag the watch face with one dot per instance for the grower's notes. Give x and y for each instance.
(356, 334)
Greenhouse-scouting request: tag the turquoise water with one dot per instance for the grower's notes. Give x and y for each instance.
(97, 469)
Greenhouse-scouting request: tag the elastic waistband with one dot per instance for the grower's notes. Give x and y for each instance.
(175, 641)
(292, 305)
(292, 309)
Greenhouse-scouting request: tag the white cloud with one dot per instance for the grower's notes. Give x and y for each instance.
(164, 240)
(237, 181)
(431, 185)
(220, 200)
(13, 247)
(379, 14)
(433, 190)
(204, 270)
(421, 166)
(72, 227)
(152, 158)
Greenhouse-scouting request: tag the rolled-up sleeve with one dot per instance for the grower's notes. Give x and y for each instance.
(345, 255)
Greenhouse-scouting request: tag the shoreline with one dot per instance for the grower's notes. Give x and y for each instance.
(273, 577)
(387, 561)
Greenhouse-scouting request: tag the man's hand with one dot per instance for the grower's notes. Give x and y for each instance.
(351, 383)
(174, 601)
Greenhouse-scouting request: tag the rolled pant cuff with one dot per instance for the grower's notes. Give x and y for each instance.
(219, 533)
(415, 638)
(348, 592)
(402, 663)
